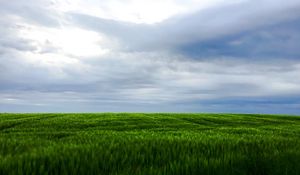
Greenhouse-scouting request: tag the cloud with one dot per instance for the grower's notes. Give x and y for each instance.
(39, 12)
(137, 78)
(237, 56)
(218, 21)
(274, 41)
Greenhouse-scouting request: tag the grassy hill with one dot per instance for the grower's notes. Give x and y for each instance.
(133, 143)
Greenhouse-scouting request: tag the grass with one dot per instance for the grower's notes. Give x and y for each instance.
(135, 143)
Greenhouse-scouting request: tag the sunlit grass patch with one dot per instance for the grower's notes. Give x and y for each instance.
(125, 143)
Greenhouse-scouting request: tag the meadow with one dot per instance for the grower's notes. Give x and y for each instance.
(146, 144)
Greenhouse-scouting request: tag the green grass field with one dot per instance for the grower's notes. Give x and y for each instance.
(131, 143)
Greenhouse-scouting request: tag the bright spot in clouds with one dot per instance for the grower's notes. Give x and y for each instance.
(71, 41)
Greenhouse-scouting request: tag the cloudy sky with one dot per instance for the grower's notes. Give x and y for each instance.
(239, 56)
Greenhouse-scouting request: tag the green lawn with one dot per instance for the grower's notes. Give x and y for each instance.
(131, 143)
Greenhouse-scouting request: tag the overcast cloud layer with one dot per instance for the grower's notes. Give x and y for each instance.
(239, 56)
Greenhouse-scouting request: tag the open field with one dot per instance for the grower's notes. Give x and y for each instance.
(133, 143)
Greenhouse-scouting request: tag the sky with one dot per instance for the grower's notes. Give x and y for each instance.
(229, 56)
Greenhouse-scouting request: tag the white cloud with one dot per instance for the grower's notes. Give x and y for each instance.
(65, 40)
(136, 11)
